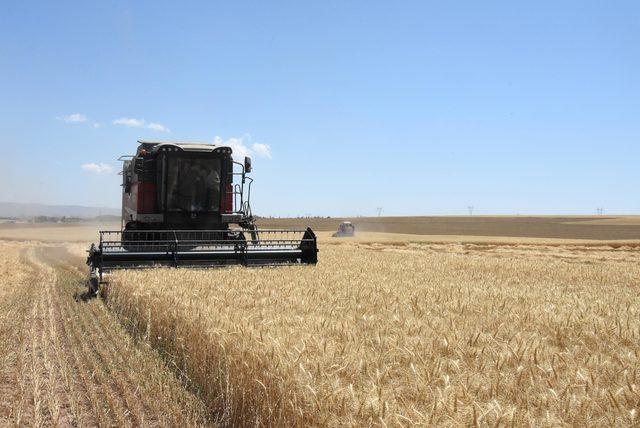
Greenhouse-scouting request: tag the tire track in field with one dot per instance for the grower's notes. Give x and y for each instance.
(72, 363)
(61, 375)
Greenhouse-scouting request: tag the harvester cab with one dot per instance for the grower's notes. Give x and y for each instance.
(185, 205)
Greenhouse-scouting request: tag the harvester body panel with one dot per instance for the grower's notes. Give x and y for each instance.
(178, 186)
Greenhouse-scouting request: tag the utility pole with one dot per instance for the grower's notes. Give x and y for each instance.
(470, 208)
(379, 211)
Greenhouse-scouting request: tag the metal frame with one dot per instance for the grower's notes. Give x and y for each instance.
(244, 207)
(200, 248)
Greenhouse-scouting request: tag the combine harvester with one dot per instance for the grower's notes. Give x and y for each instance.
(178, 202)
(346, 228)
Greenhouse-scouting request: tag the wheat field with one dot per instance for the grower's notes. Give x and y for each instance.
(387, 330)
(402, 334)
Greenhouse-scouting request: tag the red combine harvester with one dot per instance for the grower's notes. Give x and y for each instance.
(179, 202)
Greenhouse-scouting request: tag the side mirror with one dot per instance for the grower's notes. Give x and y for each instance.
(247, 164)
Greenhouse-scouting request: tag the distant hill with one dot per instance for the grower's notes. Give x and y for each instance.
(19, 210)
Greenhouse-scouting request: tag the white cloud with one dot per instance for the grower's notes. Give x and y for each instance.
(97, 168)
(128, 121)
(74, 118)
(97, 125)
(262, 150)
(141, 123)
(241, 149)
(158, 127)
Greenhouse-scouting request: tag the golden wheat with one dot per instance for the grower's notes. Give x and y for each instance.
(403, 334)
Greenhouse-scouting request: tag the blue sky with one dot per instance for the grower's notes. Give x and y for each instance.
(416, 107)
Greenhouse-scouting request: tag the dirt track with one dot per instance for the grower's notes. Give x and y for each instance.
(68, 362)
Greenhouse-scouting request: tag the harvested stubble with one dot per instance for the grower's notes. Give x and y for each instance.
(68, 363)
(405, 335)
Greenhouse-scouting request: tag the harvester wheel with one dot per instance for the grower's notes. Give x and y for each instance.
(94, 285)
